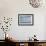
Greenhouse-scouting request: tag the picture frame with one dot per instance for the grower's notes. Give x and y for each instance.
(25, 19)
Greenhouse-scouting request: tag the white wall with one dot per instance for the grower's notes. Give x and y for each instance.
(11, 8)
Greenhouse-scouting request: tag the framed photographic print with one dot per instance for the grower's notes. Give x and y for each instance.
(25, 19)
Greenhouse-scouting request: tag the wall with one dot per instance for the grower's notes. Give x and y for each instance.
(11, 8)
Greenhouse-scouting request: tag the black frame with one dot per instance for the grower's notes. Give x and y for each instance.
(25, 23)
